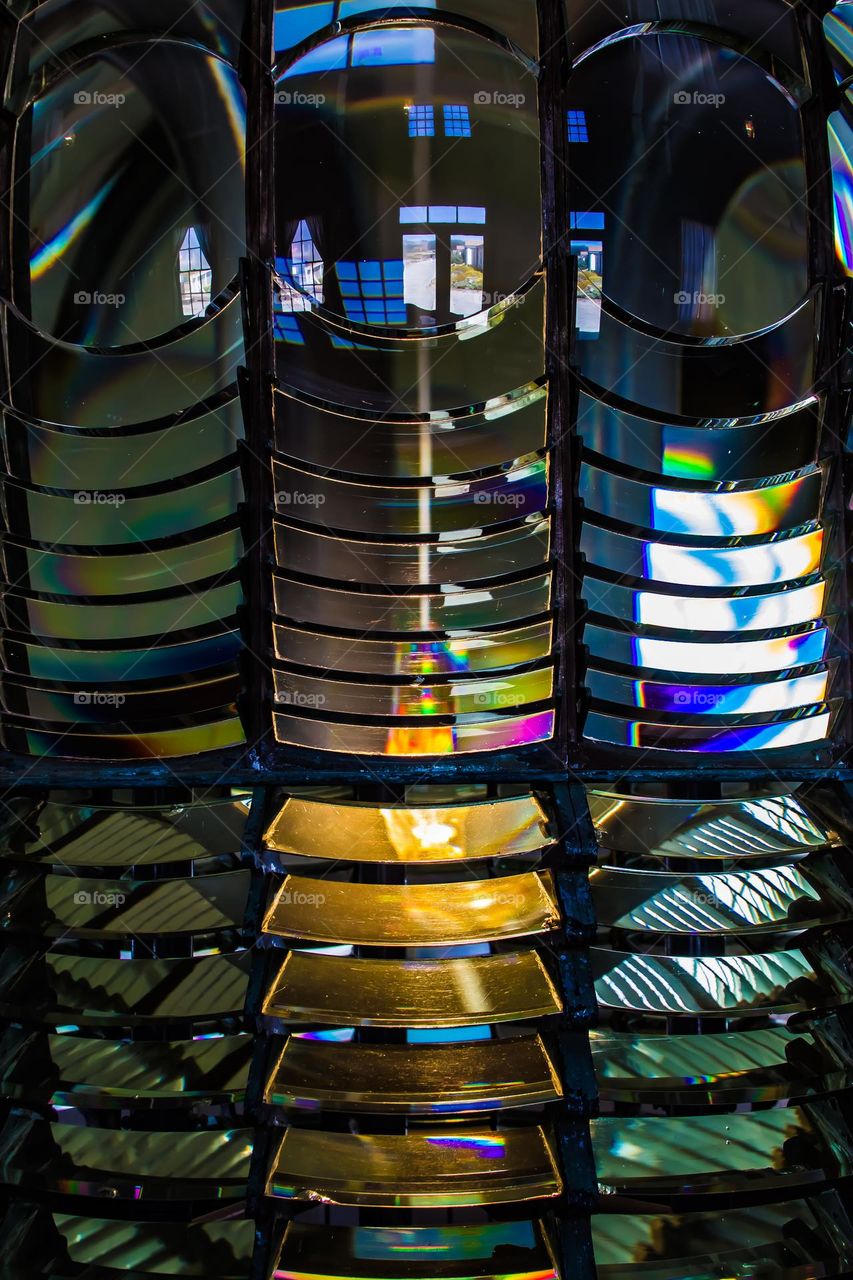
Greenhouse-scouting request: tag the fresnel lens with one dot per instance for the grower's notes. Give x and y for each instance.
(424, 667)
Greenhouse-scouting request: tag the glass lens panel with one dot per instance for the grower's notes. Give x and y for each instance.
(409, 833)
(415, 740)
(128, 834)
(455, 613)
(112, 1164)
(782, 560)
(510, 1249)
(109, 744)
(422, 1169)
(709, 699)
(441, 236)
(443, 509)
(127, 573)
(65, 458)
(761, 375)
(691, 513)
(341, 368)
(92, 667)
(466, 698)
(95, 518)
(455, 561)
(734, 262)
(414, 914)
(491, 651)
(127, 705)
(721, 450)
(108, 146)
(56, 382)
(395, 1078)
(509, 426)
(813, 726)
(92, 991)
(311, 987)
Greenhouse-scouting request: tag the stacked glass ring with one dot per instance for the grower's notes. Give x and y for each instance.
(120, 419)
(705, 472)
(413, 582)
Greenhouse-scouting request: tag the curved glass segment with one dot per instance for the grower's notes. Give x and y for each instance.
(723, 981)
(418, 231)
(411, 432)
(736, 261)
(105, 144)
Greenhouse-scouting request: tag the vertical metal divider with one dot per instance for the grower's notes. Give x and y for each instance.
(258, 377)
(257, 1206)
(576, 850)
(554, 61)
(575, 836)
(834, 322)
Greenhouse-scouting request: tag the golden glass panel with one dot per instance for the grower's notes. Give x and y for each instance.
(404, 833)
(340, 990)
(93, 991)
(487, 1251)
(125, 1164)
(414, 914)
(67, 1070)
(431, 1169)
(59, 904)
(397, 1078)
(644, 1155)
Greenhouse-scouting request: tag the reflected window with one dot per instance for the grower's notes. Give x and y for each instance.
(577, 127)
(372, 292)
(589, 251)
(194, 275)
(299, 278)
(421, 121)
(466, 274)
(457, 122)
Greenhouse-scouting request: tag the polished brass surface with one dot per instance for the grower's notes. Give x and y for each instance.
(408, 833)
(510, 1250)
(441, 1167)
(414, 914)
(310, 987)
(479, 1076)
